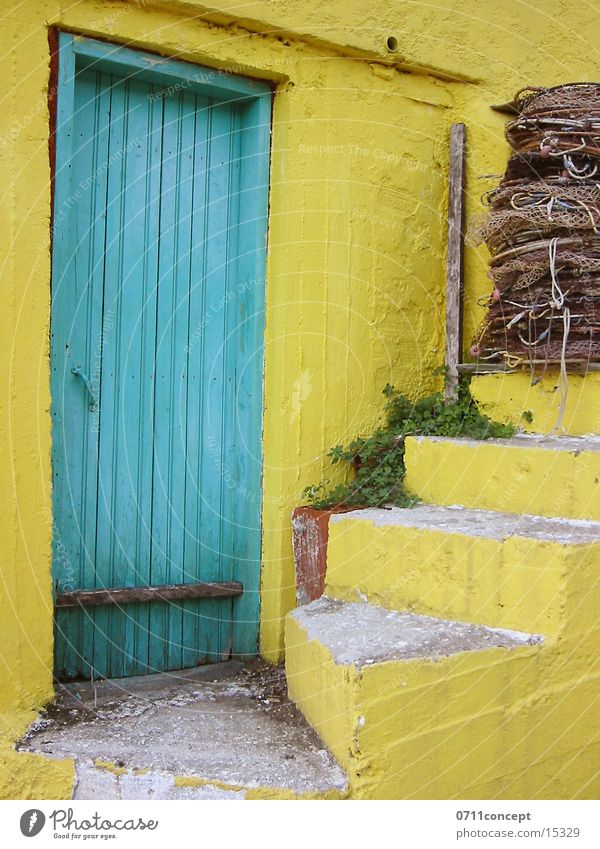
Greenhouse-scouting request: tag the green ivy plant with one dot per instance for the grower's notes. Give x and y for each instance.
(378, 460)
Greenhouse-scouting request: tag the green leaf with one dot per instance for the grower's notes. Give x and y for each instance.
(378, 460)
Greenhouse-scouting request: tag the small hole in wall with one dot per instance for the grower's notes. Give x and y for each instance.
(392, 43)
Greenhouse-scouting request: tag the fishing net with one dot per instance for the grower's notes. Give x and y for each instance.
(543, 233)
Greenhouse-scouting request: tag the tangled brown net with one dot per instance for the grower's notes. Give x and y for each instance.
(543, 232)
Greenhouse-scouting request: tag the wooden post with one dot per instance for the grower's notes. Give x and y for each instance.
(454, 260)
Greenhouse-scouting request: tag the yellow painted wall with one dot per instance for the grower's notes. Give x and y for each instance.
(485, 50)
(487, 724)
(354, 280)
(356, 266)
(507, 396)
(539, 477)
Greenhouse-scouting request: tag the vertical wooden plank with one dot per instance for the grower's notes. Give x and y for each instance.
(76, 340)
(146, 330)
(194, 638)
(133, 379)
(213, 426)
(179, 328)
(94, 178)
(251, 273)
(171, 381)
(231, 445)
(454, 259)
(201, 631)
(124, 208)
(110, 548)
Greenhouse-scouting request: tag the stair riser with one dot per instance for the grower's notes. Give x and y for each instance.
(491, 476)
(516, 583)
(487, 754)
(322, 690)
(94, 782)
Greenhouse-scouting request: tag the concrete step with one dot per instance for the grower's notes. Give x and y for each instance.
(411, 706)
(504, 570)
(544, 476)
(225, 731)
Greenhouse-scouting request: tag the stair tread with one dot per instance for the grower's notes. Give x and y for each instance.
(359, 633)
(481, 523)
(573, 444)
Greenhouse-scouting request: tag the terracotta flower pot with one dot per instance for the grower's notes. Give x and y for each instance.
(310, 533)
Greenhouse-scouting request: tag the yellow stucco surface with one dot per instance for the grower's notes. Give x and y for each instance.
(505, 475)
(506, 397)
(356, 240)
(514, 583)
(497, 723)
(492, 723)
(25, 775)
(438, 729)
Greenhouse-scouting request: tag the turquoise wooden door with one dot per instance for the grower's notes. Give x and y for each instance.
(159, 231)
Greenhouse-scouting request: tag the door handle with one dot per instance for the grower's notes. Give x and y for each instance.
(79, 372)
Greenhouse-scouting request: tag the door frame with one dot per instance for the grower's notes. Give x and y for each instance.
(76, 52)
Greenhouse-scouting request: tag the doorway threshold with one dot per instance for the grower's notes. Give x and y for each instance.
(226, 730)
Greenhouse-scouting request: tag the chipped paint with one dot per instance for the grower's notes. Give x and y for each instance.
(112, 767)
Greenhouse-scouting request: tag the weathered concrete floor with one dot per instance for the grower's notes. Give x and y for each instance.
(229, 726)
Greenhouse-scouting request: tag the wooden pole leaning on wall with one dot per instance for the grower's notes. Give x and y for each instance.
(454, 259)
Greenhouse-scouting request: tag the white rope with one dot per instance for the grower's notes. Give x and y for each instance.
(549, 141)
(579, 173)
(558, 298)
(564, 377)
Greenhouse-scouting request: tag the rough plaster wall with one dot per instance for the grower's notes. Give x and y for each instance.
(26, 775)
(354, 279)
(355, 276)
(337, 289)
(25, 525)
(484, 52)
(460, 39)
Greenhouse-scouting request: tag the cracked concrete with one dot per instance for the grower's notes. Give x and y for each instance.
(360, 634)
(481, 523)
(212, 732)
